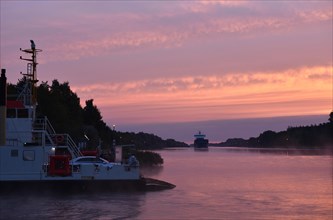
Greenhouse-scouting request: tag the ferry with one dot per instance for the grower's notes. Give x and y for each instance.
(200, 143)
(33, 157)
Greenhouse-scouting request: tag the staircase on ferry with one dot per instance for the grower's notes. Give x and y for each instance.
(50, 137)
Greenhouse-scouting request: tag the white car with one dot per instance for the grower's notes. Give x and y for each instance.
(90, 160)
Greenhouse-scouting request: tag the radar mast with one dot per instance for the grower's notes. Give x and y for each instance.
(29, 91)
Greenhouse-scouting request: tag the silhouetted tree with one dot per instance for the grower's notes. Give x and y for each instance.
(313, 136)
(91, 114)
(61, 106)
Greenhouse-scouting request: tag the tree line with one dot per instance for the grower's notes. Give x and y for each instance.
(312, 136)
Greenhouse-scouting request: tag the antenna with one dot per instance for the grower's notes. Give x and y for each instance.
(31, 75)
(332, 89)
(29, 91)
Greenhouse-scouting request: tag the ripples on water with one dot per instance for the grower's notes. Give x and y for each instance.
(222, 183)
(99, 206)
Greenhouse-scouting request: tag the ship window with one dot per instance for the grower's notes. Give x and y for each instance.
(28, 155)
(14, 153)
(22, 113)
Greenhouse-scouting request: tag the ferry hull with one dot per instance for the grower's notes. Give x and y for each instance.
(70, 186)
(82, 186)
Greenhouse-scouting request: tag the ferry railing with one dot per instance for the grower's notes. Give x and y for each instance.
(57, 139)
(12, 141)
(17, 138)
(72, 146)
(66, 142)
(44, 124)
(48, 126)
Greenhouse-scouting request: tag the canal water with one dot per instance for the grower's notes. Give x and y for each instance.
(221, 183)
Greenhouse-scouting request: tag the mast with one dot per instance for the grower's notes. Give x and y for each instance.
(29, 91)
(3, 102)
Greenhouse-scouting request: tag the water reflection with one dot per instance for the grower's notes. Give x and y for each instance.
(235, 183)
(282, 151)
(151, 171)
(86, 206)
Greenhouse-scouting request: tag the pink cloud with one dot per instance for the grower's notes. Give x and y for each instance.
(315, 15)
(207, 6)
(128, 31)
(292, 92)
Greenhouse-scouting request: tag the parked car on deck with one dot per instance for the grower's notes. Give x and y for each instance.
(90, 160)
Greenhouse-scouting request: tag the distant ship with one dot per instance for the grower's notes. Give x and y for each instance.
(200, 143)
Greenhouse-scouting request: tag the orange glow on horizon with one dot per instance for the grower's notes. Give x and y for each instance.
(305, 91)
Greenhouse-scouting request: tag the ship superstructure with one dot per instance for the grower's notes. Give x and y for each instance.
(34, 156)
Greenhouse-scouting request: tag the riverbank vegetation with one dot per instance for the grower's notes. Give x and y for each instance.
(310, 137)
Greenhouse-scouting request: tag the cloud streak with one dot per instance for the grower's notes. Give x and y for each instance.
(174, 36)
(123, 31)
(208, 97)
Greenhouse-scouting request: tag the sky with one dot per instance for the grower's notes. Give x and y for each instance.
(172, 68)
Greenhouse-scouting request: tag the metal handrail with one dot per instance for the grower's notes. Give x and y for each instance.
(72, 146)
(45, 125)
